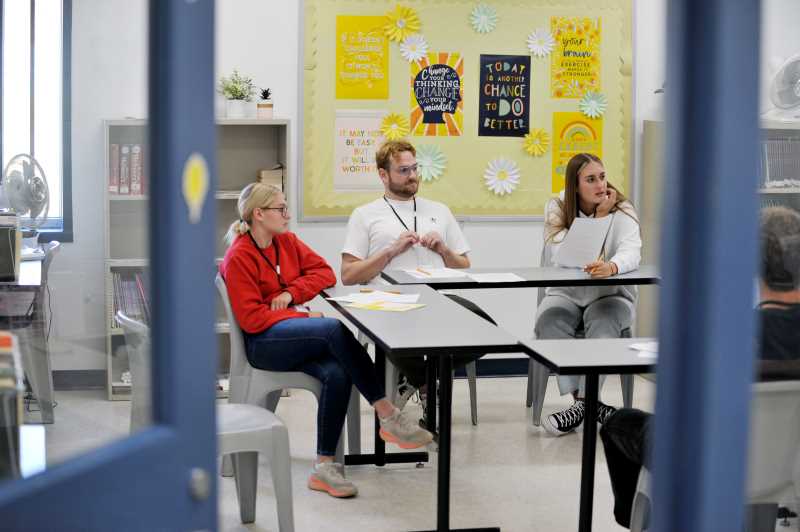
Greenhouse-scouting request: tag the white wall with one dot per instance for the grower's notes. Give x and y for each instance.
(260, 37)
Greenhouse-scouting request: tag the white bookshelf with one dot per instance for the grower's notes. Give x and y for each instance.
(243, 148)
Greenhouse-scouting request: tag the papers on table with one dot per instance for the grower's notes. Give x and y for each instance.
(583, 243)
(32, 253)
(386, 306)
(495, 277)
(369, 296)
(434, 273)
(646, 349)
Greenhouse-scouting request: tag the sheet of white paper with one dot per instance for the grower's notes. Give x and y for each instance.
(495, 277)
(435, 273)
(583, 242)
(646, 349)
(376, 295)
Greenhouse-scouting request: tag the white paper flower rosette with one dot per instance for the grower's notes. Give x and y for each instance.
(431, 162)
(541, 42)
(502, 176)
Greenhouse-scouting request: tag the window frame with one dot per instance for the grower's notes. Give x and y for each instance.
(50, 230)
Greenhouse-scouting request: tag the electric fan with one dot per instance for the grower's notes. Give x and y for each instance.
(25, 188)
(784, 91)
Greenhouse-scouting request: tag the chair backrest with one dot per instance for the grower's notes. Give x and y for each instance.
(774, 456)
(240, 366)
(50, 250)
(137, 341)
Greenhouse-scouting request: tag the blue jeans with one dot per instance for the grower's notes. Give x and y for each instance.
(325, 349)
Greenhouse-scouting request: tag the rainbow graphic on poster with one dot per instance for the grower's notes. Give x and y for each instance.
(575, 61)
(437, 95)
(573, 133)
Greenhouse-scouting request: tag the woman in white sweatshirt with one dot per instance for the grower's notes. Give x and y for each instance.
(602, 311)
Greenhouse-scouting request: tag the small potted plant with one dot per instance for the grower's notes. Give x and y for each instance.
(238, 91)
(264, 107)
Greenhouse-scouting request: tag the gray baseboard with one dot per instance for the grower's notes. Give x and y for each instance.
(79, 379)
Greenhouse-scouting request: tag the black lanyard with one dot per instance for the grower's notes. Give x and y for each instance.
(398, 216)
(277, 266)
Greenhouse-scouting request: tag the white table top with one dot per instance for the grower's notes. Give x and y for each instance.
(441, 327)
(532, 277)
(586, 356)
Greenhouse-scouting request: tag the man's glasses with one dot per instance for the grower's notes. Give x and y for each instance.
(406, 171)
(284, 210)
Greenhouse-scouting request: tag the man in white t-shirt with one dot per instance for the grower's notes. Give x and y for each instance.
(398, 231)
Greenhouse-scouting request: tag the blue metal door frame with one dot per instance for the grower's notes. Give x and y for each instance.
(709, 259)
(143, 482)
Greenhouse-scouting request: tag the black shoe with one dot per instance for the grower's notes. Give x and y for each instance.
(565, 421)
(604, 412)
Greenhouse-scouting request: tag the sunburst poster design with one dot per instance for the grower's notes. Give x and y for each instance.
(437, 95)
(573, 133)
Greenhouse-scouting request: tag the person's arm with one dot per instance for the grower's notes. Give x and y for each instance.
(315, 273)
(628, 254)
(357, 271)
(453, 247)
(252, 312)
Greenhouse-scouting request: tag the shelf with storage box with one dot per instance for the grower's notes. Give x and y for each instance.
(779, 172)
(246, 150)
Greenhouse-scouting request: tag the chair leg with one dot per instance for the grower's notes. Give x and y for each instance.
(627, 390)
(227, 466)
(271, 401)
(281, 469)
(761, 517)
(245, 469)
(529, 387)
(472, 380)
(354, 423)
(392, 374)
(540, 375)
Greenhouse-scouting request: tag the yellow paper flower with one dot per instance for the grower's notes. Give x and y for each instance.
(395, 126)
(401, 23)
(537, 142)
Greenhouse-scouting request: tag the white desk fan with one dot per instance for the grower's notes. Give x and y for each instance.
(24, 186)
(784, 92)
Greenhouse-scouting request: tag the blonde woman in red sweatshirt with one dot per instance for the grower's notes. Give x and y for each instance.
(270, 273)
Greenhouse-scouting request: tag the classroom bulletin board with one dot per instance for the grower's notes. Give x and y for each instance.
(496, 96)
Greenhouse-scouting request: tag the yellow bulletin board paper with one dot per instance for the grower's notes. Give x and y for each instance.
(445, 27)
(574, 133)
(362, 58)
(575, 66)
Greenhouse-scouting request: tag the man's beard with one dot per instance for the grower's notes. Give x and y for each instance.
(407, 190)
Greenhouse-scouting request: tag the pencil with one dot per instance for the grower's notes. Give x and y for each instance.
(420, 270)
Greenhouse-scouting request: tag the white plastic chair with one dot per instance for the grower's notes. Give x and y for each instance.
(259, 387)
(773, 456)
(538, 374)
(243, 431)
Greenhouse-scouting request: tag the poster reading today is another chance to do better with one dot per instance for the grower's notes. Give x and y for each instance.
(496, 97)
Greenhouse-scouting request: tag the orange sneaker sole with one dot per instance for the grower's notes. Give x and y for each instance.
(317, 485)
(391, 438)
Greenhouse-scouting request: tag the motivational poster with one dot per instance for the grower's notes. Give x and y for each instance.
(573, 133)
(357, 135)
(437, 95)
(504, 100)
(362, 58)
(575, 60)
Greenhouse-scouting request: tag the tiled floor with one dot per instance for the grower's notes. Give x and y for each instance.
(504, 471)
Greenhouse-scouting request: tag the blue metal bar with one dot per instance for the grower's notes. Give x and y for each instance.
(181, 102)
(709, 262)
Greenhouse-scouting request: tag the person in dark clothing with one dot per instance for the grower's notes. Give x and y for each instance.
(626, 435)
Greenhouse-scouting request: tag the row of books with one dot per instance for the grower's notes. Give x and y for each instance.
(131, 295)
(780, 163)
(126, 172)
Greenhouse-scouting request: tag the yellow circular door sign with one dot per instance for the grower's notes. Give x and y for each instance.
(195, 185)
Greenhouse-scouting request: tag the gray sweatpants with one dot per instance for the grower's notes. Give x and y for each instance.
(558, 317)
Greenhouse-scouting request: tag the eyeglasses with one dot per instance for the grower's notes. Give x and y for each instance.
(284, 210)
(406, 171)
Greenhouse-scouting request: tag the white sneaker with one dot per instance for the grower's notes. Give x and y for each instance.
(403, 431)
(329, 477)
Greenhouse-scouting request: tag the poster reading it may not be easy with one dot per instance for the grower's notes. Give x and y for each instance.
(504, 98)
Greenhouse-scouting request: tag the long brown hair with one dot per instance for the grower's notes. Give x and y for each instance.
(568, 207)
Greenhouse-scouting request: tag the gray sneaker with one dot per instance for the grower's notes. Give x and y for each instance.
(403, 432)
(328, 477)
(405, 391)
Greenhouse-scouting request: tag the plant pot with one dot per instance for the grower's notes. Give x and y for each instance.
(236, 108)
(264, 110)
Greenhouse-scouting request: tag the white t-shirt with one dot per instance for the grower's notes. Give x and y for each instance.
(374, 227)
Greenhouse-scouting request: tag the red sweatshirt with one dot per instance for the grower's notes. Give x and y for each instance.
(252, 283)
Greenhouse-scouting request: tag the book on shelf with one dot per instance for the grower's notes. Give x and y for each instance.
(125, 169)
(135, 171)
(113, 169)
(272, 176)
(131, 295)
